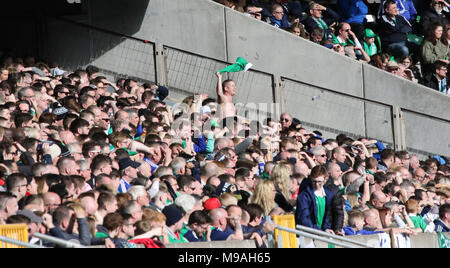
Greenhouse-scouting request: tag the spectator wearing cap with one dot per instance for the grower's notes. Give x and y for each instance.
(129, 172)
(394, 30)
(212, 204)
(33, 226)
(369, 43)
(174, 224)
(393, 68)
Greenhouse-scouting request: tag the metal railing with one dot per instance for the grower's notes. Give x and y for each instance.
(317, 237)
(57, 241)
(18, 243)
(331, 236)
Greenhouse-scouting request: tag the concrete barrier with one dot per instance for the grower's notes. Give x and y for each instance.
(424, 241)
(387, 88)
(224, 245)
(280, 52)
(197, 25)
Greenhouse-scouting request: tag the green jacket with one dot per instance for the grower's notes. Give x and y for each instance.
(431, 53)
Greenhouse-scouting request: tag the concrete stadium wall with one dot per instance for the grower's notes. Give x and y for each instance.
(208, 29)
(246, 244)
(422, 240)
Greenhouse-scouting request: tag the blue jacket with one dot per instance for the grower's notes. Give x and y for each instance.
(441, 227)
(199, 144)
(356, 12)
(192, 237)
(218, 235)
(283, 24)
(349, 231)
(306, 213)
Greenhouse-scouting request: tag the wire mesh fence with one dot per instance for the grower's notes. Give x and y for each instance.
(334, 114)
(190, 74)
(123, 57)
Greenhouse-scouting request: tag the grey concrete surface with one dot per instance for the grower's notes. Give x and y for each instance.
(246, 244)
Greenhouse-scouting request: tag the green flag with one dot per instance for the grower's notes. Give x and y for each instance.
(240, 65)
(412, 38)
(444, 242)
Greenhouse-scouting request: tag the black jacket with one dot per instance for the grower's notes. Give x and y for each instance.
(394, 31)
(337, 207)
(283, 203)
(430, 16)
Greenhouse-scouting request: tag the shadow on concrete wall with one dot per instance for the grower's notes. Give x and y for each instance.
(33, 30)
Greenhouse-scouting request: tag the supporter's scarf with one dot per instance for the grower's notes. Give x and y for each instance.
(444, 242)
(240, 65)
(322, 24)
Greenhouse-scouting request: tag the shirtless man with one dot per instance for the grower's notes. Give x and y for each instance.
(226, 91)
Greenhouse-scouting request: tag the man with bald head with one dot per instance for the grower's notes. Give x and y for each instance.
(420, 175)
(89, 204)
(302, 168)
(339, 156)
(222, 230)
(335, 176)
(51, 202)
(377, 200)
(220, 144)
(8, 206)
(372, 220)
(209, 170)
(67, 137)
(414, 163)
(67, 166)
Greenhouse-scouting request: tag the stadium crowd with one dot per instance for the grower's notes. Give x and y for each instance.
(112, 163)
(408, 38)
(84, 159)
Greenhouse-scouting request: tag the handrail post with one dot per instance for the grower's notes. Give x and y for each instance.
(279, 92)
(161, 65)
(398, 123)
